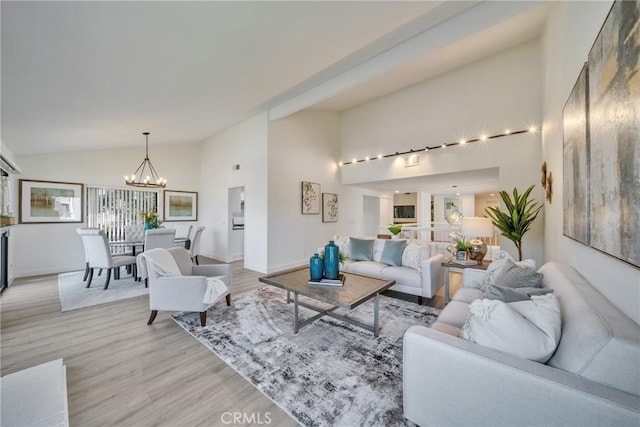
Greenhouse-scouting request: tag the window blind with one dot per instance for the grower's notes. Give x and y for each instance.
(111, 209)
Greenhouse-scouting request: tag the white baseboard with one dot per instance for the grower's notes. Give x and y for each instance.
(49, 270)
(276, 268)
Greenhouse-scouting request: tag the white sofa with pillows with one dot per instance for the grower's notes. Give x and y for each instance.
(408, 262)
(518, 346)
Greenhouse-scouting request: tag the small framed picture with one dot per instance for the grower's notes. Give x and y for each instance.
(310, 198)
(329, 207)
(461, 256)
(180, 205)
(44, 202)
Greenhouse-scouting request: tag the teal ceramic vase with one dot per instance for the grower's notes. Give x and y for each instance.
(331, 261)
(315, 267)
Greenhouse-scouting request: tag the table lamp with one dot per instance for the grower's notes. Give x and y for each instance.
(476, 227)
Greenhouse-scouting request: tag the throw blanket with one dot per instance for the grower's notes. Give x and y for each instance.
(158, 260)
(216, 289)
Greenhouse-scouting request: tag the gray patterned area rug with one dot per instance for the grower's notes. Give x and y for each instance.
(74, 294)
(331, 373)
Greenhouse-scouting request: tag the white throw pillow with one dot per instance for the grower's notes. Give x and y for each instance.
(378, 247)
(528, 329)
(342, 242)
(413, 255)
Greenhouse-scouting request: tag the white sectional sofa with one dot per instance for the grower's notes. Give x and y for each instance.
(421, 277)
(593, 378)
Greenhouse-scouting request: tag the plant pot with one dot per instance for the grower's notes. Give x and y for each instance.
(395, 236)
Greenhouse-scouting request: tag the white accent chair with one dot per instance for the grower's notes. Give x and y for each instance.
(175, 284)
(159, 238)
(195, 244)
(98, 255)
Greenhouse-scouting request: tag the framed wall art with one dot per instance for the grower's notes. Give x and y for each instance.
(329, 207)
(614, 114)
(310, 198)
(575, 162)
(42, 202)
(180, 205)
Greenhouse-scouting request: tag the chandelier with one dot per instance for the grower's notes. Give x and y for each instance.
(146, 175)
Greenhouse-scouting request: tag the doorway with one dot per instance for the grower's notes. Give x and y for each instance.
(371, 215)
(236, 223)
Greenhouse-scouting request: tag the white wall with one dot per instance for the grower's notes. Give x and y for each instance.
(244, 144)
(302, 147)
(54, 248)
(571, 30)
(499, 92)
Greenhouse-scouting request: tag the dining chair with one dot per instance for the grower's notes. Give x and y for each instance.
(195, 244)
(134, 233)
(159, 238)
(182, 230)
(99, 256)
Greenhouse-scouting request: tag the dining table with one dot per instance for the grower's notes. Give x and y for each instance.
(134, 244)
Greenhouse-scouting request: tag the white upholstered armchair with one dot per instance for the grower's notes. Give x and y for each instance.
(175, 284)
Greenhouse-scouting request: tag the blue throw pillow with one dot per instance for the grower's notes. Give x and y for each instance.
(392, 252)
(361, 249)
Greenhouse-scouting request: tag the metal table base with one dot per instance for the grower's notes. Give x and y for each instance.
(297, 323)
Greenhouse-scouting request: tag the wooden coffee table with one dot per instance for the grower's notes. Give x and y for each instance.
(355, 290)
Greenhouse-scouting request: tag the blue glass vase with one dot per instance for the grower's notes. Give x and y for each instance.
(147, 226)
(331, 261)
(315, 267)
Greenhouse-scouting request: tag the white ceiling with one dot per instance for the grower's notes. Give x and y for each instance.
(95, 75)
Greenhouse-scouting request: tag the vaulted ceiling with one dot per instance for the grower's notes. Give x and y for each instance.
(94, 75)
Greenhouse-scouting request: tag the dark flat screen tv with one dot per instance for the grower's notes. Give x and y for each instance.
(404, 211)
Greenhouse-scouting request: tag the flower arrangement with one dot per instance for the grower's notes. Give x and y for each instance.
(150, 218)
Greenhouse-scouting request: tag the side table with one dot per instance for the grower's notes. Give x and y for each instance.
(449, 264)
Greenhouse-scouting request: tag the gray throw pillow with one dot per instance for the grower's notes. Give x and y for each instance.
(513, 276)
(392, 252)
(507, 294)
(361, 249)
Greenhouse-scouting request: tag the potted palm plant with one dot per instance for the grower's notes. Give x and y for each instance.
(517, 220)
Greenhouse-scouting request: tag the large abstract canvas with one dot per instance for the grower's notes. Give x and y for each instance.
(614, 108)
(576, 162)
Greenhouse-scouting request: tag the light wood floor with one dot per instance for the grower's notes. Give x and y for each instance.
(121, 371)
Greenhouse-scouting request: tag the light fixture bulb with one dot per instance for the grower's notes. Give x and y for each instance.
(444, 145)
(507, 132)
(379, 156)
(340, 163)
(462, 142)
(532, 129)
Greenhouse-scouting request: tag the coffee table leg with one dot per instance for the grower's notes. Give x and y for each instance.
(376, 315)
(288, 298)
(295, 312)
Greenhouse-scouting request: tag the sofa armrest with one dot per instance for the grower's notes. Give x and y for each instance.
(495, 388)
(432, 275)
(213, 270)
